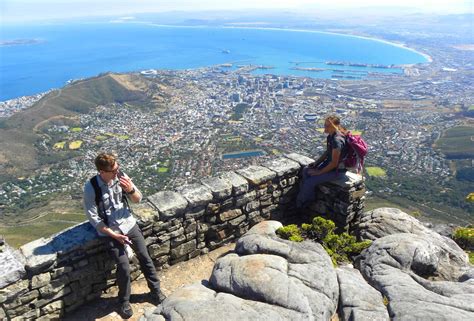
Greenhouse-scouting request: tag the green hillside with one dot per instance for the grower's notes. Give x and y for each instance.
(20, 132)
(457, 142)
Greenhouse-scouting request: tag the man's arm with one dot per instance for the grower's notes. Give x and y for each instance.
(132, 191)
(90, 209)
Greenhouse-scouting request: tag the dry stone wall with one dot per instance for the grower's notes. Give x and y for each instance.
(49, 277)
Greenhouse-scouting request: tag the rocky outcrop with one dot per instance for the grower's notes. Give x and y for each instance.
(408, 273)
(267, 278)
(197, 302)
(358, 300)
(423, 275)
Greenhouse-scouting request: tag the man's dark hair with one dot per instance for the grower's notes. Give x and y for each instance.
(105, 161)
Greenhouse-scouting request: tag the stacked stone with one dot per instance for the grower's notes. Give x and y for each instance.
(51, 276)
(341, 200)
(201, 217)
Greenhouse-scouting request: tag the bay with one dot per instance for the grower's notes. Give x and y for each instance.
(61, 52)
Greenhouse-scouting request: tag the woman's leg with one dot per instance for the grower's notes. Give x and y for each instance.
(307, 194)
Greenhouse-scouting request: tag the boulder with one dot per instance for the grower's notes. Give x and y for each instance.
(197, 302)
(267, 278)
(420, 276)
(266, 268)
(169, 204)
(257, 174)
(12, 266)
(358, 300)
(382, 222)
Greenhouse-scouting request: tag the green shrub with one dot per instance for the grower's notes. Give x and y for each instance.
(340, 247)
(471, 257)
(296, 238)
(319, 229)
(290, 232)
(464, 237)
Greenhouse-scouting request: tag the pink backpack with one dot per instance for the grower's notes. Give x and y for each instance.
(356, 151)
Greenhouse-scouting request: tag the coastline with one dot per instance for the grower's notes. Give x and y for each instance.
(395, 44)
(425, 56)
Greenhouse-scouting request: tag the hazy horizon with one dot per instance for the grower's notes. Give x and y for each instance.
(24, 11)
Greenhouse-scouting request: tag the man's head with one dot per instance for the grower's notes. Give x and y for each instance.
(107, 166)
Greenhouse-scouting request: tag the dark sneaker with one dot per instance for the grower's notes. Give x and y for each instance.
(126, 311)
(157, 296)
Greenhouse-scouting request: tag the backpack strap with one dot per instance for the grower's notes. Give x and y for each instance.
(98, 199)
(125, 201)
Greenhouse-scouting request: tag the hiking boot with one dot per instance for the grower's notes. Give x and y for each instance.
(126, 311)
(157, 296)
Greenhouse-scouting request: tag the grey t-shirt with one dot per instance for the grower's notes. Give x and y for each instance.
(336, 141)
(119, 217)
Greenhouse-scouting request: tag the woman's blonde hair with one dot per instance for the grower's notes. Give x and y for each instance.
(336, 122)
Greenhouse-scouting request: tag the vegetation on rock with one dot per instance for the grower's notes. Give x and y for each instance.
(290, 232)
(340, 247)
(464, 236)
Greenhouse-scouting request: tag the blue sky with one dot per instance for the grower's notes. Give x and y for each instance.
(28, 10)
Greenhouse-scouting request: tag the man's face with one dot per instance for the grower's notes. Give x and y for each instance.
(111, 173)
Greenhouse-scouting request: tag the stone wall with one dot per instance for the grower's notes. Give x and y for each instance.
(51, 276)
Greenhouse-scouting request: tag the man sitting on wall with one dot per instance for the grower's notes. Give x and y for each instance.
(106, 198)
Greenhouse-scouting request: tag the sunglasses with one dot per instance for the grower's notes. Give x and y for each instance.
(115, 171)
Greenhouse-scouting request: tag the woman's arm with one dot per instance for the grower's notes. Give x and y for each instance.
(321, 159)
(336, 154)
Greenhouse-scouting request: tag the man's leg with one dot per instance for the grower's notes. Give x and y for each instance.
(307, 194)
(146, 263)
(117, 251)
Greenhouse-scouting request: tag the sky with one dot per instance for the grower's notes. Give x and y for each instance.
(33, 10)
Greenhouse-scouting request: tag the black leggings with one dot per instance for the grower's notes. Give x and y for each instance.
(117, 251)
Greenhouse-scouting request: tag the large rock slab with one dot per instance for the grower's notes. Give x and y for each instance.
(301, 159)
(239, 184)
(40, 255)
(273, 279)
(265, 268)
(382, 222)
(169, 204)
(358, 300)
(419, 276)
(221, 188)
(197, 302)
(196, 194)
(257, 174)
(11, 266)
(385, 221)
(282, 166)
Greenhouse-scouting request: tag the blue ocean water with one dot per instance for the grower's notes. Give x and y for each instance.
(72, 51)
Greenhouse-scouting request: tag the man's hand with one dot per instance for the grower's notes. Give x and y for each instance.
(126, 184)
(122, 239)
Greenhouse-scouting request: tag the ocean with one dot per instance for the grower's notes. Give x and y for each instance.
(61, 52)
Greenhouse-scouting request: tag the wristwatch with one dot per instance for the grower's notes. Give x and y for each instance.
(132, 191)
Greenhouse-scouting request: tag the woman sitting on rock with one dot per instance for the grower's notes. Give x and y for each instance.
(328, 166)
